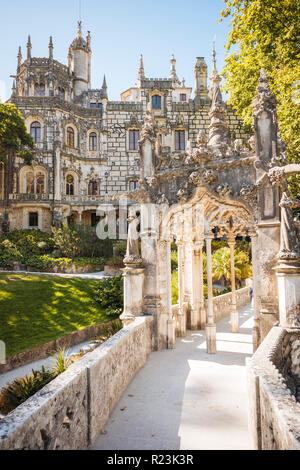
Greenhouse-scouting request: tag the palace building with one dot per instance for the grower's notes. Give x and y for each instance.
(86, 146)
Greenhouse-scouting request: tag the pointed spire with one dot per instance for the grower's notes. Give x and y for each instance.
(104, 88)
(173, 75)
(19, 57)
(50, 48)
(141, 74)
(215, 79)
(29, 47)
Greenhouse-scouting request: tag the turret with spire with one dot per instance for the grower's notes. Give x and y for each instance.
(80, 61)
(201, 91)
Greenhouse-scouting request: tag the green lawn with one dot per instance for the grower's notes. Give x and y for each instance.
(37, 309)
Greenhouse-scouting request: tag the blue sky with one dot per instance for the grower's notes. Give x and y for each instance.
(121, 30)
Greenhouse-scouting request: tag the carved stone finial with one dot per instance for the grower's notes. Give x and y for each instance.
(173, 75)
(19, 57)
(29, 47)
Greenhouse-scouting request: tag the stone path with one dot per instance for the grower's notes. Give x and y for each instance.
(97, 275)
(185, 398)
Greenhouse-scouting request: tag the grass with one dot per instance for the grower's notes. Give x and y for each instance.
(37, 309)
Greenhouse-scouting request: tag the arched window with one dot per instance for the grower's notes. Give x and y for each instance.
(30, 183)
(70, 137)
(93, 141)
(35, 132)
(70, 185)
(39, 89)
(93, 188)
(61, 93)
(156, 102)
(40, 183)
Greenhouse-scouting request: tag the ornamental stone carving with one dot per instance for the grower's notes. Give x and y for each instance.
(224, 190)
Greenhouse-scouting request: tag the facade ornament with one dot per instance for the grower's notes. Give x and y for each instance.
(162, 200)
(265, 100)
(203, 177)
(149, 128)
(289, 248)
(240, 148)
(249, 193)
(182, 195)
(224, 190)
(173, 75)
(132, 257)
(218, 139)
(276, 175)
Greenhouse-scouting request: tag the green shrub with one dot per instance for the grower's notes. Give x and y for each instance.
(9, 253)
(174, 287)
(31, 242)
(116, 262)
(120, 249)
(62, 362)
(23, 388)
(107, 331)
(110, 295)
(66, 240)
(90, 245)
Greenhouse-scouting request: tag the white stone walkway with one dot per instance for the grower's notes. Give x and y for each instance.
(185, 398)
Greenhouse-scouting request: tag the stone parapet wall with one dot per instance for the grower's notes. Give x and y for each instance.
(222, 305)
(71, 411)
(274, 414)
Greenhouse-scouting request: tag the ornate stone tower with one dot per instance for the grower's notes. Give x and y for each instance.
(201, 91)
(80, 62)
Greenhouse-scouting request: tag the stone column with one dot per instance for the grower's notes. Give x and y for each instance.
(211, 339)
(133, 276)
(187, 279)
(181, 310)
(234, 316)
(256, 329)
(202, 316)
(288, 275)
(197, 283)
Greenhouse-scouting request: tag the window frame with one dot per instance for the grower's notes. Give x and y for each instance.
(133, 142)
(157, 105)
(36, 131)
(70, 132)
(179, 139)
(70, 186)
(93, 141)
(36, 218)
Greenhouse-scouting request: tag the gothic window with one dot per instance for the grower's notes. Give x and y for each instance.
(70, 185)
(134, 136)
(179, 140)
(61, 93)
(33, 219)
(93, 188)
(39, 89)
(96, 105)
(182, 97)
(133, 184)
(70, 137)
(35, 132)
(93, 141)
(40, 183)
(156, 102)
(30, 183)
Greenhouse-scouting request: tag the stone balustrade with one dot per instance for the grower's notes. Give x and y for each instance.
(71, 411)
(274, 414)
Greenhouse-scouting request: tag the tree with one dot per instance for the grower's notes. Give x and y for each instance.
(14, 142)
(221, 265)
(14, 138)
(266, 34)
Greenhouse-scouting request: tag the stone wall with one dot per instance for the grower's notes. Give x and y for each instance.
(70, 412)
(274, 414)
